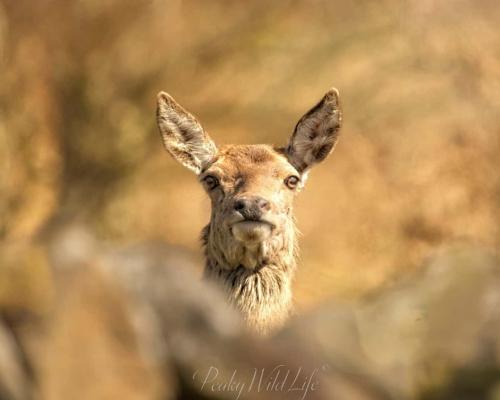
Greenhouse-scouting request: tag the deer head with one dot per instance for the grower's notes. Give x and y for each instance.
(251, 187)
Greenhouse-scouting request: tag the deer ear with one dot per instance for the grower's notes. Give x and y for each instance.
(182, 134)
(316, 133)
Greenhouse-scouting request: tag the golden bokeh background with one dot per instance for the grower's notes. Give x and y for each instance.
(416, 169)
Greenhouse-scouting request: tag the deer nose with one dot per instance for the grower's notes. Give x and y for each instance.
(251, 208)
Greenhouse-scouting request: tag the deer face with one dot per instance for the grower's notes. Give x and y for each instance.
(251, 187)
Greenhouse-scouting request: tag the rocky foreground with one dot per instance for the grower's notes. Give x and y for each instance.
(86, 321)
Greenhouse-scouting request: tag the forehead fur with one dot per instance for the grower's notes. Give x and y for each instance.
(257, 153)
(238, 156)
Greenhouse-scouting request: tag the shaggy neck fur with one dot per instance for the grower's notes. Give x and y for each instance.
(257, 279)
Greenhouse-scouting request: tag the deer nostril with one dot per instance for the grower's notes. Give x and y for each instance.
(239, 205)
(251, 208)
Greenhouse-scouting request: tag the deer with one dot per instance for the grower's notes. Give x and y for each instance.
(250, 242)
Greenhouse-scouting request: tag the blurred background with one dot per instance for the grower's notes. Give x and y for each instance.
(413, 182)
(416, 167)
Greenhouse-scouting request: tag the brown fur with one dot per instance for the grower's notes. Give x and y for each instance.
(250, 241)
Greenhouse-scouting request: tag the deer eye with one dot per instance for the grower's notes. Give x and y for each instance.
(210, 182)
(292, 181)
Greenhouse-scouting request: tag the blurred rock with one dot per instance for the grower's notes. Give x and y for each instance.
(433, 335)
(138, 322)
(14, 382)
(88, 347)
(185, 325)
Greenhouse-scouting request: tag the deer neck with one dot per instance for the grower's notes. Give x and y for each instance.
(257, 279)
